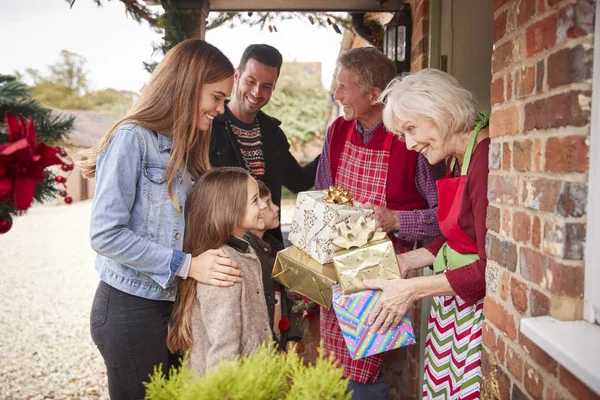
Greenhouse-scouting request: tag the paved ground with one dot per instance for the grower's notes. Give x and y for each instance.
(47, 283)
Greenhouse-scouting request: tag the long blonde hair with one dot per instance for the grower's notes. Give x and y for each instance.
(170, 104)
(213, 211)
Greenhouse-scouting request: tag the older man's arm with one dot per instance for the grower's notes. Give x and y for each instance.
(423, 224)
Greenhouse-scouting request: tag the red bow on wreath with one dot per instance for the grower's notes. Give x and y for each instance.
(22, 162)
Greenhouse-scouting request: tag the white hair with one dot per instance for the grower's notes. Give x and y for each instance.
(429, 94)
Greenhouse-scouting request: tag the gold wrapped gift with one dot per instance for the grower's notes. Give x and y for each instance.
(300, 272)
(375, 260)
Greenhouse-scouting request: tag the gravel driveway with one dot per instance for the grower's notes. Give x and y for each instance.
(47, 283)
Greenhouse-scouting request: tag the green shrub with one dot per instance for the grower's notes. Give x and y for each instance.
(265, 375)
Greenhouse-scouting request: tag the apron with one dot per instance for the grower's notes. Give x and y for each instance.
(364, 172)
(453, 345)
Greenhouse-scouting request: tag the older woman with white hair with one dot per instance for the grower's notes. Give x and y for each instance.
(439, 119)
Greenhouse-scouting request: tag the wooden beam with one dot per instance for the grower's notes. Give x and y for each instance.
(287, 5)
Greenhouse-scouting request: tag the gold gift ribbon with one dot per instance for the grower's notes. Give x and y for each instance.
(337, 195)
(357, 234)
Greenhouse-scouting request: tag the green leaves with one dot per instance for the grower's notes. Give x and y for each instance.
(266, 375)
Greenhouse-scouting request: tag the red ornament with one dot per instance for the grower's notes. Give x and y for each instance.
(284, 324)
(60, 179)
(22, 162)
(63, 193)
(6, 224)
(68, 200)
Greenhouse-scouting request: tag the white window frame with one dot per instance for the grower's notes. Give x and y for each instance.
(576, 344)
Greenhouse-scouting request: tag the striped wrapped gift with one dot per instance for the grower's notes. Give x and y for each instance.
(352, 313)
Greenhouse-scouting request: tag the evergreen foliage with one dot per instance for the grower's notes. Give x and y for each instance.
(16, 98)
(265, 375)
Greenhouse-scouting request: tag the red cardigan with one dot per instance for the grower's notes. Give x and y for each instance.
(469, 281)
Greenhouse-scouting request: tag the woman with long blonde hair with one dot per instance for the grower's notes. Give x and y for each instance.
(144, 168)
(214, 323)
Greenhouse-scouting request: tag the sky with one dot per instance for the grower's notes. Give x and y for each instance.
(33, 32)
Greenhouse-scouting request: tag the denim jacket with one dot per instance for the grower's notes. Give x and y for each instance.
(135, 228)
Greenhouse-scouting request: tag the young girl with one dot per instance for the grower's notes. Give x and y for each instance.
(144, 168)
(221, 323)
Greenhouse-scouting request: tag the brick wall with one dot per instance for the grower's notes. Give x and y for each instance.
(402, 366)
(540, 95)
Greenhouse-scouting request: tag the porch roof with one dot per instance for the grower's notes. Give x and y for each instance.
(283, 5)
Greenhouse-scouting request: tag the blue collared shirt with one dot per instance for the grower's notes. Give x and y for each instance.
(135, 228)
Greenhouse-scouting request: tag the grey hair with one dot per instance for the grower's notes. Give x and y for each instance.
(433, 95)
(373, 68)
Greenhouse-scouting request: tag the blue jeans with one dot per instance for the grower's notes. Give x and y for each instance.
(369, 391)
(131, 334)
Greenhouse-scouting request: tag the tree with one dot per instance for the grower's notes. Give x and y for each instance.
(66, 87)
(300, 102)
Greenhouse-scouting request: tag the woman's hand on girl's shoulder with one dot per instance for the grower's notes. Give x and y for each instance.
(214, 267)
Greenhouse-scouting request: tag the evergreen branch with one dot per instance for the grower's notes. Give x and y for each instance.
(11, 89)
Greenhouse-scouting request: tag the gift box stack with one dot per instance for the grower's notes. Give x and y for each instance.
(335, 247)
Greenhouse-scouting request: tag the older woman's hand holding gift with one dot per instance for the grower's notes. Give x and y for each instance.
(399, 294)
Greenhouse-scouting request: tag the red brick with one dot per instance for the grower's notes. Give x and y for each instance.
(497, 92)
(505, 122)
(536, 232)
(501, 318)
(575, 200)
(534, 382)
(493, 218)
(564, 239)
(525, 10)
(537, 155)
(506, 54)
(539, 76)
(506, 156)
(541, 6)
(501, 349)
(567, 280)
(575, 20)
(503, 189)
(575, 386)
(533, 265)
(505, 222)
(509, 87)
(489, 337)
(538, 355)
(567, 154)
(525, 80)
(521, 226)
(541, 194)
(541, 35)
(540, 303)
(499, 26)
(504, 383)
(504, 287)
(571, 108)
(514, 363)
(503, 252)
(499, 3)
(519, 292)
(570, 65)
(522, 155)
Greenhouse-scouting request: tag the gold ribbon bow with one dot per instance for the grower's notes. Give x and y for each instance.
(337, 195)
(357, 234)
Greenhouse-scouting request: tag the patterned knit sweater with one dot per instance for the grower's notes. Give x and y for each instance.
(249, 139)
